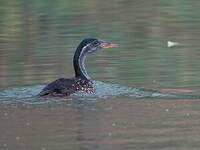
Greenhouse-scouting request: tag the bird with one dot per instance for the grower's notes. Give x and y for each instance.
(81, 81)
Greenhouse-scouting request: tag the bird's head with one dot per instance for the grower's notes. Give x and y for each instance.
(90, 45)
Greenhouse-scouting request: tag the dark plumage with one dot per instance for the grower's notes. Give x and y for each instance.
(81, 81)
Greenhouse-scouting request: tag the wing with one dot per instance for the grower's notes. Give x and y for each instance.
(61, 86)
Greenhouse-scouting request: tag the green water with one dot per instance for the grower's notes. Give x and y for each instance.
(37, 42)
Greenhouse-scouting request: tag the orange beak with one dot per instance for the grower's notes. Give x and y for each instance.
(105, 44)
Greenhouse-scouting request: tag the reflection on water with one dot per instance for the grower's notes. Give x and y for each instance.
(37, 42)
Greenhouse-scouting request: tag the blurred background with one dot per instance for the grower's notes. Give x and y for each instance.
(38, 39)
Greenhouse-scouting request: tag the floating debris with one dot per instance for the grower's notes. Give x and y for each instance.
(171, 44)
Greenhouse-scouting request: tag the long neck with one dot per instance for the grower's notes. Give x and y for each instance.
(79, 63)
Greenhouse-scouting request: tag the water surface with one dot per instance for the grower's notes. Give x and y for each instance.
(136, 105)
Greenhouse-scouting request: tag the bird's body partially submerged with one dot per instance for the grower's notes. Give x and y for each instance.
(81, 81)
(65, 87)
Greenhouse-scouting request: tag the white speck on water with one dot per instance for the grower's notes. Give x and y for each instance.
(109, 134)
(188, 114)
(43, 148)
(113, 124)
(166, 110)
(17, 138)
(171, 44)
(28, 123)
(156, 94)
(93, 109)
(5, 114)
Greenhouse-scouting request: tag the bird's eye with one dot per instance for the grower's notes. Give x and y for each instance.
(96, 43)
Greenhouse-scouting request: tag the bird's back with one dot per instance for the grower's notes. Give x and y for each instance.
(65, 87)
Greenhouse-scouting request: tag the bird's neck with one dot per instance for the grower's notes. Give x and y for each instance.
(79, 64)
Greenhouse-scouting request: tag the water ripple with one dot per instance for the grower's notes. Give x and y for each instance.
(27, 94)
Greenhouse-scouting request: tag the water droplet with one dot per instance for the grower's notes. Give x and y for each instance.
(109, 134)
(93, 109)
(5, 114)
(28, 123)
(113, 124)
(17, 138)
(43, 148)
